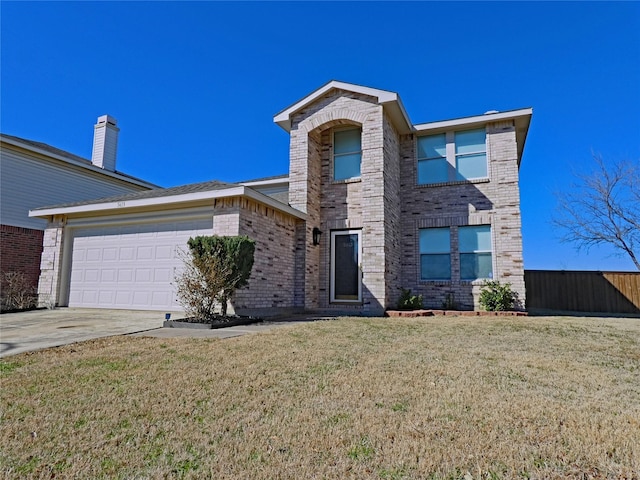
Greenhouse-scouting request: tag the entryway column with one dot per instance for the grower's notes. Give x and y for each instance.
(51, 263)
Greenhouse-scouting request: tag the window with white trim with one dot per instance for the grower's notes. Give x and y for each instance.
(435, 254)
(452, 156)
(474, 245)
(347, 153)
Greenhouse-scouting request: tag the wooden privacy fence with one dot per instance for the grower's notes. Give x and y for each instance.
(582, 291)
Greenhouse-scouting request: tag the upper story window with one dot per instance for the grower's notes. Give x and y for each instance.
(452, 156)
(471, 154)
(432, 159)
(435, 254)
(347, 153)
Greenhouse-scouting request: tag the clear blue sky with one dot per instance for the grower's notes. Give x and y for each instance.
(195, 86)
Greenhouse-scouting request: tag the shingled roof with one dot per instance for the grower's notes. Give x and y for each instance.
(155, 193)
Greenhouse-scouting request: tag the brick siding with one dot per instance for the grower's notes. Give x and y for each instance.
(350, 204)
(389, 207)
(20, 251)
(271, 284)
(494, 202)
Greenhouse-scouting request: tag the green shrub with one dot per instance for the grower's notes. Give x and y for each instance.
(216, 268)
(495, 296)
(408, 301)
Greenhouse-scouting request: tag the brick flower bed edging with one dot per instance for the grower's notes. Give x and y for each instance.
(210, 326)
(451, 313)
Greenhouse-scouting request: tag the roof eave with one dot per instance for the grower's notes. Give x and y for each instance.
(260, 183)
(442, 125)
(123, 206)
(522, 124)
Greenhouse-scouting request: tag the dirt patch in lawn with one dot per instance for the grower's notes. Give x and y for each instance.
(435, 397)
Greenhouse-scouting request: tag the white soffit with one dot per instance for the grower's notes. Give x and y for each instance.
(172, 200)
(389, 100)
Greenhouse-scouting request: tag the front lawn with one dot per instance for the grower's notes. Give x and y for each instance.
(439, 397)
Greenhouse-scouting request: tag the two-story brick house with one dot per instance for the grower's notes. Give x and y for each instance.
(375, 204)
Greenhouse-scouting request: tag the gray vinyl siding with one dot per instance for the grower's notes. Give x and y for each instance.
(29, 182)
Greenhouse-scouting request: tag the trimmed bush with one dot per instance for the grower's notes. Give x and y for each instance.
(216, 268)
(496, 297)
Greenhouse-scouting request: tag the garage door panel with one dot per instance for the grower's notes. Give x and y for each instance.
(108, 275)
(125, 275)
(130, 266)
(89, 296)
(144, 253)
(161, 298)
(105, 297)
(77, 276)
(127, 253)
(123, 298)
(165, 252)
(141, 299)
(110, 254)
(91, 275)
(143, 275)
(163, 275)
(93, 255)
(75, 298)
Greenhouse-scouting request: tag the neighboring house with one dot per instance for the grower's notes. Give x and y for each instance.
(34, 174)
(372, 204)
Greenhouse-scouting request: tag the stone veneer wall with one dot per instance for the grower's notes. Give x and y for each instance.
(495, 202)
(20, 251)
(271, 284)
(350, 204)
(51, 263)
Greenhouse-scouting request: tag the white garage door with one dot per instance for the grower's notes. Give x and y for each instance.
(130, 266)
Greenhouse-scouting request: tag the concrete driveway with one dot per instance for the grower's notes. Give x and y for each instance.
(37, 329)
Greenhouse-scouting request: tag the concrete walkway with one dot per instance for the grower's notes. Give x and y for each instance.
(37, 329)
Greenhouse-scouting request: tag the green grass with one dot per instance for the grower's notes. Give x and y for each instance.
(431, 398)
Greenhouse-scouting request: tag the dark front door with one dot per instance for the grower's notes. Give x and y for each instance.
(346, 285)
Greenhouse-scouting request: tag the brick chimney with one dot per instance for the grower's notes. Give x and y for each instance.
(105, 143)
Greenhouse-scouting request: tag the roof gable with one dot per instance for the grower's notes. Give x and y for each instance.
(389, 100)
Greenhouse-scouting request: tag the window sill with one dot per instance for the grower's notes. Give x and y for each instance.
(477, 281)
(347, 180)
(437, 283)
(456, 182)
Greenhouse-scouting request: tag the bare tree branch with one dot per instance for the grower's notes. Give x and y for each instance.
(603, 207)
